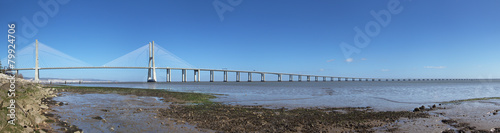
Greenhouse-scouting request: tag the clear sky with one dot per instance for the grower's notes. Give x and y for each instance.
(421, 39)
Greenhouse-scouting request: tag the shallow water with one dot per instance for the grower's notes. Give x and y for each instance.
(117, 113)
(379, 95)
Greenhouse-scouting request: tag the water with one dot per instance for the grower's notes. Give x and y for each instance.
(379, 95)
(117, 113)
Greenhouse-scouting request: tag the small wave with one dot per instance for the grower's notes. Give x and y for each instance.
(401, 101)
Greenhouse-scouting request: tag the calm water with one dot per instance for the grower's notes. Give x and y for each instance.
(379, 95)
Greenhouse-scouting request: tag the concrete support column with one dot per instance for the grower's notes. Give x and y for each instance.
(299, 78)
(308, 78)
(184, 78)
(225, 76)
(237, 76)
(196, 75)
(37, 76)
(331, 78)
(324, 79)
(262, 77)
(169, 77)
(211, 75)
(290, 78)
(279, 77)
(316, 78)
(249, 77)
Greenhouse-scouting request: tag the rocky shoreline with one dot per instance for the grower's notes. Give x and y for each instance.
(29, 106)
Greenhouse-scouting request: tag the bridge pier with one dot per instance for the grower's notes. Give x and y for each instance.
(324, 79)
(184, 78)
(279, 77)
(299, 78)
(316, 78)
(339, 79)
(331, 78)
(211, 75)
(308, 78)
(225, 76)
(196, 75)
(237, 76)
(290, 78)
(169, 77)
(262, 77)
(249, 77)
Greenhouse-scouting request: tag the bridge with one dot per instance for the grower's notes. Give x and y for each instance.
(152, 72)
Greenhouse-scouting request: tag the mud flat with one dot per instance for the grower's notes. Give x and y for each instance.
(115, 113)
(468, 115)
(149, 110)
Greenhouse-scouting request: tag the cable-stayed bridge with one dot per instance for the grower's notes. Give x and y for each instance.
(152, 74)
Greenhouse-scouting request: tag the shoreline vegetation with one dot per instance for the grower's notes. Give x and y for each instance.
(196, 109)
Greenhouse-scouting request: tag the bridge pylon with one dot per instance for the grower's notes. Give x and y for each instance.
(37, 77)
(151, 64)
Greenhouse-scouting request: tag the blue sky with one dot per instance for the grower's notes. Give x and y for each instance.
(425, 39)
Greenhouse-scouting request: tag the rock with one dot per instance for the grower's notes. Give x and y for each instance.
(434, 106)
(43, 106)
(38, 120)
(112, 129)
(422, 107)
(416, 109)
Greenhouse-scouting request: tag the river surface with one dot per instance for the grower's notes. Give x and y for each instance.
(395, 96)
